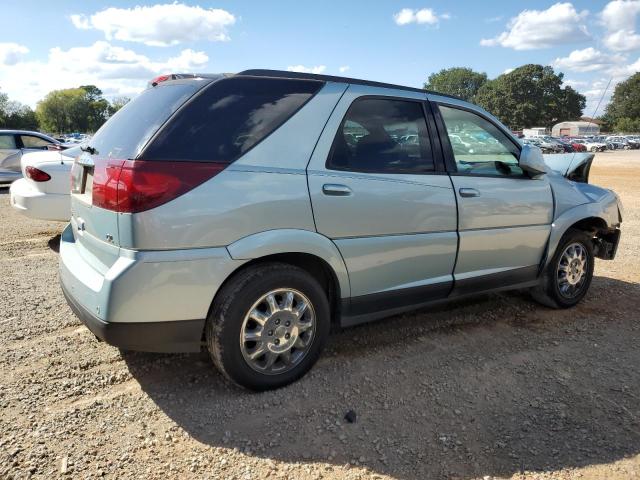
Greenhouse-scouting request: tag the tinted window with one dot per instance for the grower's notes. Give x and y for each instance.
(29, 141)
(479, 147)
(7, 142)
(124, 134)
(382, 136)
(229, 118)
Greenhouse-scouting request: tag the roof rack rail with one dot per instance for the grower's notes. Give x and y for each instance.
(332, 78)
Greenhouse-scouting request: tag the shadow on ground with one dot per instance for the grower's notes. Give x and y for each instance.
(54, 243)
(490, 386)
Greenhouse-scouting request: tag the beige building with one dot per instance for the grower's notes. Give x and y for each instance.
(573, 129)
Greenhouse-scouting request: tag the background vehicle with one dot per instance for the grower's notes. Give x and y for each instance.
(550, 144)
(621, 142)
(254, 210)
(591, 145)
(634, 141)
(43, 192)
(15, 143)
(577, 147)
(566, 146)
(545, 147)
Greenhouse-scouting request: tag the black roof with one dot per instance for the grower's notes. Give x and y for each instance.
(332, 78)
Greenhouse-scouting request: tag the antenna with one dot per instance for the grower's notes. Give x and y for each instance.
(594, 112)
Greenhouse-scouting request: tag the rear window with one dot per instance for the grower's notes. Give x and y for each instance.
(230, 117)
(124, 134)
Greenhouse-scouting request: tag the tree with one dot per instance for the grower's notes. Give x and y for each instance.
(64, 111)
(98, 109)
(16, 115)
(627, 125)
(625, 101)
(531, 95)
(117, 103)
(459, 81)
(80, 109)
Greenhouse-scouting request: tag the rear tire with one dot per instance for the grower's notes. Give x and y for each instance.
(566, 280)
(268, 326)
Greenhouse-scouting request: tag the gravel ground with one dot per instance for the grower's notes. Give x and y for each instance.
(497, 386)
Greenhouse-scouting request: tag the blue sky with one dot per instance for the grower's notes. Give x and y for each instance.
(118, 47)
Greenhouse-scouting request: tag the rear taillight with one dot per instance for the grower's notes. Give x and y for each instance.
(36, 174)
(134, 186)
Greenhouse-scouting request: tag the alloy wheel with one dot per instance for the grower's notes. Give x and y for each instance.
(572, 270)
(277, 331)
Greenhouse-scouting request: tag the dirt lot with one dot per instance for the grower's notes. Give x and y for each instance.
(493, 387)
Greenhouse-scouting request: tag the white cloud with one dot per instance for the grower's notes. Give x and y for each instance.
(115, 70)
(532, 29)
(598, 94)
(303, 69)
(344, 68)
(619, 18)
(622, 72)
(422, 16)
(187, 60)
(11, 53)
(159, 25)
(575, 83)
(587, 60)
(508, 70)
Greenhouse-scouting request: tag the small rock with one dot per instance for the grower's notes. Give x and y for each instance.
(350, 416)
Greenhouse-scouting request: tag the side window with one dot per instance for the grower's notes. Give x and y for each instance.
(479, 147)
(7, 142)
(382, 136)
(29, 141)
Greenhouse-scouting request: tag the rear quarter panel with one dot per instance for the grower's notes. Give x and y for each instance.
(265, 189)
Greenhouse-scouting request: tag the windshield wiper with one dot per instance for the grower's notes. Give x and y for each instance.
(90, 150)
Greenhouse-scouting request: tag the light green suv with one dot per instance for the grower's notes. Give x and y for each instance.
(247, 213)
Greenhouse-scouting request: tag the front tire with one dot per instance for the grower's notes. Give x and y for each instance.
(268, 326)
(567, 278)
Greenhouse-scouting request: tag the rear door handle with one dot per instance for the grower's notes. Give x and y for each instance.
(469, 192)
(336, 190)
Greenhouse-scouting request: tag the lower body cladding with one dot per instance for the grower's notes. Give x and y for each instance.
(154, 301)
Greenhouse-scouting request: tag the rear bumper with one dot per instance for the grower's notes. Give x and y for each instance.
(36, 204)
(153, 301)
(162, 337)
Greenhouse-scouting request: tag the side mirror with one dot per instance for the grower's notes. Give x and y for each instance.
(532, 162)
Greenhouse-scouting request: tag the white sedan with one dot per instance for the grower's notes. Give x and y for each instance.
(43, 192)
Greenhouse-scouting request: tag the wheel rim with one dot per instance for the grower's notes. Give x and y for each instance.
(572, 270)
(278, 331)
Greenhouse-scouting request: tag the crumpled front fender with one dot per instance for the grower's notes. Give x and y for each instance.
(605, 209)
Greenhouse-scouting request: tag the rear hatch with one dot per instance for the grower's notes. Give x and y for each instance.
(96, 173)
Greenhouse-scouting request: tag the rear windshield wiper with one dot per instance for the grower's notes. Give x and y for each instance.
(90, 150)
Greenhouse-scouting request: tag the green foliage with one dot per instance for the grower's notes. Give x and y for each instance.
(627, 125)
(15, 115)
(625, 102)
(80, 109)
(531, 95)
(459, 81)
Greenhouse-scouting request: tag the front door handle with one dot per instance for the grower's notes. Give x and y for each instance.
(336, 190)
(469, 192)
